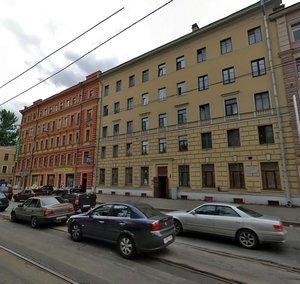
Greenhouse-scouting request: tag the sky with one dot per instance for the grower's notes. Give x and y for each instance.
(32, 29)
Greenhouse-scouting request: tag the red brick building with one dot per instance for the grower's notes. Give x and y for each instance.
(58, 138)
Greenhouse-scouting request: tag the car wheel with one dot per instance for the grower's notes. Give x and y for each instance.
(34, 222)
(247, 239)
(76, 232)
(126, 246)
(13, 217)
(178, 227)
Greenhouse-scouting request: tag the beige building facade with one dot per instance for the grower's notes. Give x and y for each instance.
(7, 164)
(205, 116)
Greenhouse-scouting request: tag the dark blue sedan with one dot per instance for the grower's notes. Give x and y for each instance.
(134, 227)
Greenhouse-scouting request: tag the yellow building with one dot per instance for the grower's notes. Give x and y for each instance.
(202, 117)
(7, 163)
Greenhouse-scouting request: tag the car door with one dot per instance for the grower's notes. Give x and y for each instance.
(94, 223)
(201, 219)
(227, 221)
(22, 211)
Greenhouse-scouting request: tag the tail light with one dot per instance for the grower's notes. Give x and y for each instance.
(71, 209)
(77, 200)
(278, 227)
(155, 226)
(48, 212)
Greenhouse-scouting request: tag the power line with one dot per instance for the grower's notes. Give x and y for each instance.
(74, 39)
(87, 53)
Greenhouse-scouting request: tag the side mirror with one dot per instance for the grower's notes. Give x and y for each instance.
(193, 212)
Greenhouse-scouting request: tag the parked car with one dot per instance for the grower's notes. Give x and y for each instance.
(134, 227)
(246, 226)
(43, 190)
(4, 202)
(7, 190)
(81, 200)
(23, 195)
(43, 209)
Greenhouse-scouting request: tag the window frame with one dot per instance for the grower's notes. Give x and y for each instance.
(226, 45)
(201, 55)
(203, 82)
(233, 137)
(253, 36)
(257, 68)
(180, 62)
(228, 75)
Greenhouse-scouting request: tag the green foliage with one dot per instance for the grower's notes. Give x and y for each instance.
(8, 128)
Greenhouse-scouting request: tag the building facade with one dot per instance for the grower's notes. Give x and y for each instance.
(57, 138)
(205, 116)
(7, 164)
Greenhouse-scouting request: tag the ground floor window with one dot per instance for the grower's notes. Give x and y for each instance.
(270, 175)
(102, 176)
(128, 176)
(236, 175)
(144, 176)
(114, 176)
(208, 175)
(184, 175)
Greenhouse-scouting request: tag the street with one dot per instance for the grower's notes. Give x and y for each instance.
(193, 258)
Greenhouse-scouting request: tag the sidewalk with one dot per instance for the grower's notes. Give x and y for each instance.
(289, 216)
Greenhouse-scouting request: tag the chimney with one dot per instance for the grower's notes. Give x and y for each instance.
(195, 27)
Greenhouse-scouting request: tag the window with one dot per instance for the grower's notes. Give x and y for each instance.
(236, 175)
(231, 107)
(180, 63)
(131, 81)
(145, 123)
(162, 120)
(130, 103)
(201, 54)
(102, 176)
(162, 94)
(226, 46)
(91, 93)
(4, 169)
(203, 82)
(106, 90)
(116, 129)
(105, 110)
(86, 158)
(87, 136)
(184, 175)
(298, 66)
(129, 149)
(103, 152)
(162, 70)
(129, 127)
(6, 156)
(181, 88)
(233, 137)
(254, 35)
(265, 134)
(182, 116)
(208, 175)
(206, 140)
(89, 114)
(144, 176)
(118, 86)
(145, 147)
(145, 76)
(104, 131)
(228, 75)
(270, 175)
(262, 101)
(183, 143)
(145, 99)
(117, 107)
(296, 31)
(115, 151)
(204, 112)
(128, 176)
(162, 145)
(114, 176)
(258, 67)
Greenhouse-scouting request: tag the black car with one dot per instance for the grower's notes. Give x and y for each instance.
(134, 227)
(4, 202)
(43, 190)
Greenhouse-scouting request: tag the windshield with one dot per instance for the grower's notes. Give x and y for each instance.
(249, 211)
(148, 210)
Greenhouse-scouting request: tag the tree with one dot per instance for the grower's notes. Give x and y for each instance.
(8, 128)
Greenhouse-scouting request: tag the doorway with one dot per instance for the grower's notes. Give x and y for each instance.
(84, 182)
(162, 182)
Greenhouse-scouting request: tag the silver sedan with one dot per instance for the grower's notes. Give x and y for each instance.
(248, 227)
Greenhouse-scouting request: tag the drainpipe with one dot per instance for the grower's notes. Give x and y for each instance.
(279, 119)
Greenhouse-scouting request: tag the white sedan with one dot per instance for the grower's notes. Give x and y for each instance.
(248, 227)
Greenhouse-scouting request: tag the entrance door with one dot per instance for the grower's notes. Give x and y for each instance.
(84, 182)
(163, 191)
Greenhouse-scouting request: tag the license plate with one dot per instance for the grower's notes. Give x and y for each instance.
(86, 206)
(61, 218)
(168, 239)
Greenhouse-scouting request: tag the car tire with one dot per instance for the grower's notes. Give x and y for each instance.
(247, 239)
(13, 217)
(76, 232)
(178, 227)
(126, 246)
(2, 209)
(34, 222)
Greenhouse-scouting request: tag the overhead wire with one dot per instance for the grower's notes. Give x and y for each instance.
(90, 51)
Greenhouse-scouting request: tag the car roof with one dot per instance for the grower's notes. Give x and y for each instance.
(221, 204)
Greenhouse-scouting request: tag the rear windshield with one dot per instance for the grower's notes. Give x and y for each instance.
(148, 210)
(249, 211)
(52, 200)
